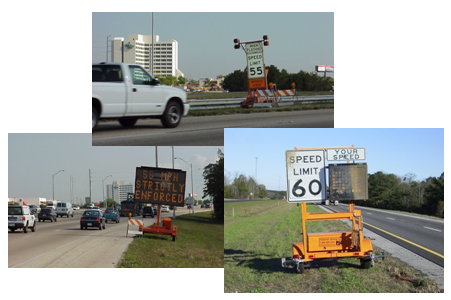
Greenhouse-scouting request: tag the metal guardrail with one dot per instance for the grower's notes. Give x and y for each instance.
(235, 102)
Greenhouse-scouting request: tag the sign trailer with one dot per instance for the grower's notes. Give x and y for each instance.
(306, 181)
(162, 187)
(256, 71)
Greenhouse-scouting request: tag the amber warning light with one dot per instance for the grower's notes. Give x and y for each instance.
(160, 186)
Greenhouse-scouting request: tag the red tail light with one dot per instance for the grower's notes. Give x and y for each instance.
(296, 256)
(81, 219)
(98, 219)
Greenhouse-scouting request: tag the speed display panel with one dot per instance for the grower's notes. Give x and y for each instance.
(348, 181)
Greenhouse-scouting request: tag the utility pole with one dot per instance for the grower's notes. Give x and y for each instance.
(107, 47)
(90, 199)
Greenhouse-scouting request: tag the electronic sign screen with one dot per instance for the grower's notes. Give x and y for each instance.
(348, 181)
(160, 186)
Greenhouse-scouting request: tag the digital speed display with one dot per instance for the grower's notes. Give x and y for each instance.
(348, 181)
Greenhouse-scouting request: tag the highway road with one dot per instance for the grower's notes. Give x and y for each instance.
(423, 236)
(204, 131)
(63, 244)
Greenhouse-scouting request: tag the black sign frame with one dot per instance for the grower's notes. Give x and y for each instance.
(348, 181)
(160, 186)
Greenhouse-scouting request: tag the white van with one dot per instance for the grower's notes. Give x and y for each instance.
(64, 209)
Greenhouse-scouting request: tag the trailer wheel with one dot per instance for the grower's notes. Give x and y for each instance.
(300, 268)
(173, 238)
(365, 263)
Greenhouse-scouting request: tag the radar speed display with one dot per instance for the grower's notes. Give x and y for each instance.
(306, 175)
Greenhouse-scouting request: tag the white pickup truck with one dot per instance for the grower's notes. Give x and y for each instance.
(128, 92)
(20, 217)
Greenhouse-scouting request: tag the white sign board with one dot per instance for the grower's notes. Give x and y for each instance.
(254, 48)
(346, 154)
(254, 56)
(306, 175)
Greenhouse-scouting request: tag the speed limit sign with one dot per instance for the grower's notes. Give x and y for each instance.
(306, 175)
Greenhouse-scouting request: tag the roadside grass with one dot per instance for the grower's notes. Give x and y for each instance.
(259, 233)
(199, 244)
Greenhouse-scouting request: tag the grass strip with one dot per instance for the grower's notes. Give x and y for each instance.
(199, 244)
(259, 233)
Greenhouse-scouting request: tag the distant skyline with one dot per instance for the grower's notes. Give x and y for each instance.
(30, 168)
(297, 41)
(396, 151)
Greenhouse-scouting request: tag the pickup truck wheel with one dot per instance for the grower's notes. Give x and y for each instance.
(128, 122)
(95, 117)
(25, 229)
(172, 115)
(33, 229)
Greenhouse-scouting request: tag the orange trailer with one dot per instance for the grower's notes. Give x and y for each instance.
(332, 244)
(156, 228)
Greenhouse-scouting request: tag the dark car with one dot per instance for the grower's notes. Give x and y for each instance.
(207, 205)
(112, 215)
(148, 211)
(33, 208)
(92, 218)
(47, 214)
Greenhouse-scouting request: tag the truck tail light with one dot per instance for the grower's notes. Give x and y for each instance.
(296, 256)
(98, 219)
(23, 218)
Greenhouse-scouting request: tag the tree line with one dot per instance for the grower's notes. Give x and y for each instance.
(404, 193)
(386, 191)
(304, 81)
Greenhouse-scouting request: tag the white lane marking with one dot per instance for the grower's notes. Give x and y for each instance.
(432, 229)
(368, 213)
(390, 218)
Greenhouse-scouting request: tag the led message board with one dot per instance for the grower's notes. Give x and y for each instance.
(160, 186)
(348, 181)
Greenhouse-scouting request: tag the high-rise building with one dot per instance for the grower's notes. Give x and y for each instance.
(137, 50)
(118, 190)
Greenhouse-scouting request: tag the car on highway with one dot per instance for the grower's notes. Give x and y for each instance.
(34, 209)
(207, 205)
(111, 215)
(164, 208)
(148, 211)
(47, 214)
(92, 218)
(20, 217)
(76, 207)
(127, 92)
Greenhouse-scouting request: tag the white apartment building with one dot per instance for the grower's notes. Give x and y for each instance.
(118, 190)
(137, 50)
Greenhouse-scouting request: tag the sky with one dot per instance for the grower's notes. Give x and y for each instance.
(392, 151)
(34, 158)
(297, 41)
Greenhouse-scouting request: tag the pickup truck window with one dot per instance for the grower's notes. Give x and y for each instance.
(139, 76)
(106, 73)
